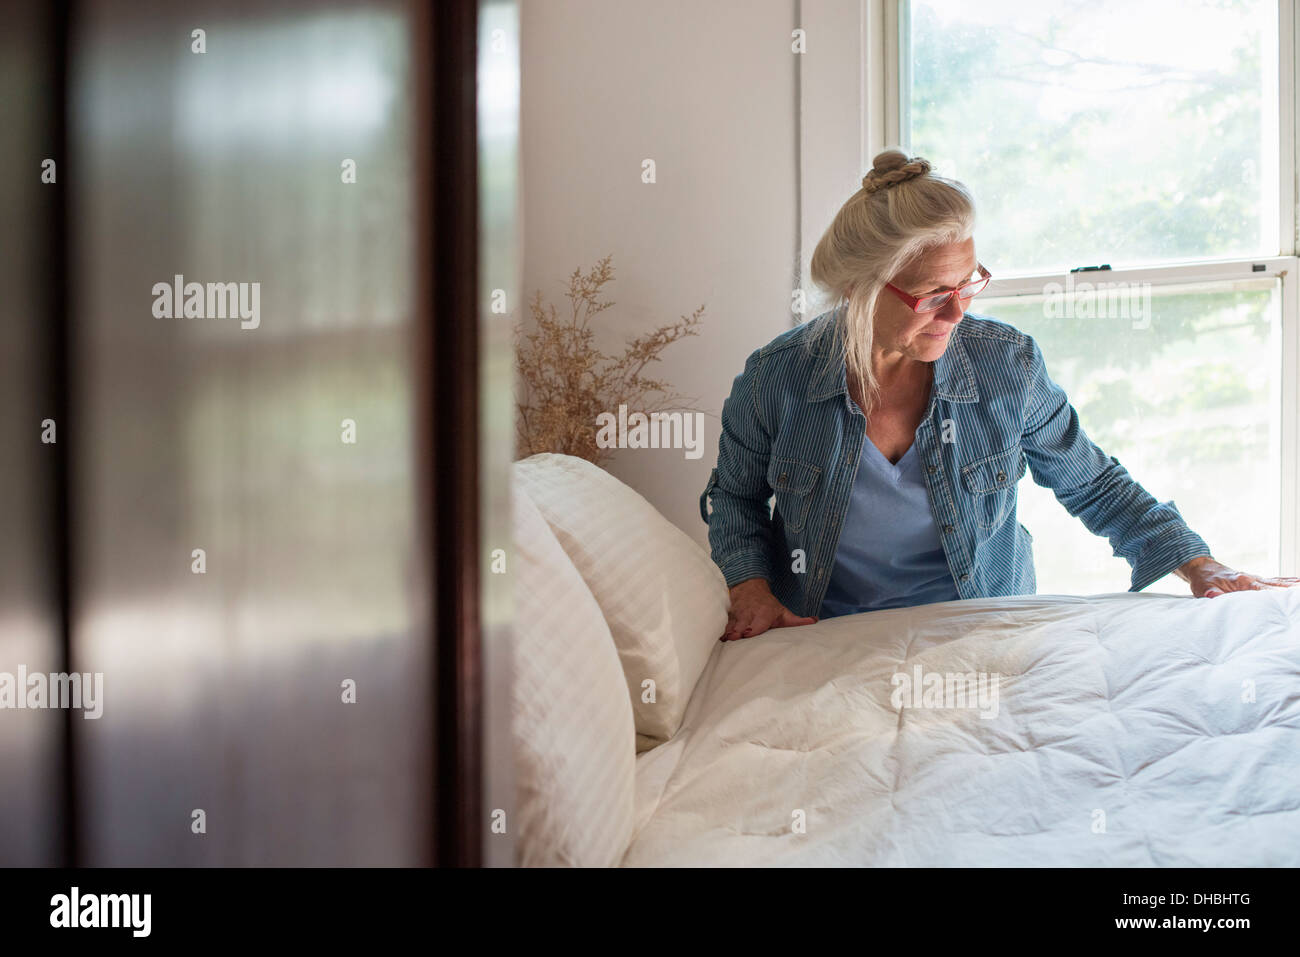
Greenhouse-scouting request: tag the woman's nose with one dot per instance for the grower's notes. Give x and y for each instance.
(952, 311)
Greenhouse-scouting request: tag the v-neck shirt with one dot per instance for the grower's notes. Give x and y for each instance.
(889, 553)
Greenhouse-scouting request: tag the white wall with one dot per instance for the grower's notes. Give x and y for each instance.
(710, 90)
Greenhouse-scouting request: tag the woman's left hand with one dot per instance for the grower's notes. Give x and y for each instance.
(1210, 579)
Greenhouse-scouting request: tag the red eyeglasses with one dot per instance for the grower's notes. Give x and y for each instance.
(933, 302)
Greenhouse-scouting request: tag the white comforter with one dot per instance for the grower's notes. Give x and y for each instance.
(1125, 735)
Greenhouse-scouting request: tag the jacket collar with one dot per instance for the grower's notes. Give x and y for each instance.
(954, 377)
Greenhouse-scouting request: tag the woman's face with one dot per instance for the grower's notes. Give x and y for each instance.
(924, 335)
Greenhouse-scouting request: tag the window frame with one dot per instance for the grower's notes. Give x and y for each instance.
(886, 95)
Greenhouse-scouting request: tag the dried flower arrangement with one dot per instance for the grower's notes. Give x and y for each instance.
(565, 382)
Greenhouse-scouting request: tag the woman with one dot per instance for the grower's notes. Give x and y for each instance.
(893, 431)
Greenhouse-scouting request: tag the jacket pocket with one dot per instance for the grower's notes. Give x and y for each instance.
(793, 482)
(991, 484)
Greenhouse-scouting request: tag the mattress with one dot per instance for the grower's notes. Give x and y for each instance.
(1128, 730)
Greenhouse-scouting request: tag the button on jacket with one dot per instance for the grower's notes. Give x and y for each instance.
(790, 430)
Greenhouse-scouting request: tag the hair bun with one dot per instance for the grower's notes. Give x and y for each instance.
(893, 167)
(889, 159)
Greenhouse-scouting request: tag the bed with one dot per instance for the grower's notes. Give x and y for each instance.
(1127, 730)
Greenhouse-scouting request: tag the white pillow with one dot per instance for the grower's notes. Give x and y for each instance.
(663, 597)
(575, 755)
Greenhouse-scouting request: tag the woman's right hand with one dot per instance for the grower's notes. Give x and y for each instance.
(754, 609)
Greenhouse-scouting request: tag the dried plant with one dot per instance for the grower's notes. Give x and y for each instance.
(565, 382)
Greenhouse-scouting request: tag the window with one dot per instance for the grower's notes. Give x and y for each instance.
(1188, 404)
(1132, 165)
(1127, 133)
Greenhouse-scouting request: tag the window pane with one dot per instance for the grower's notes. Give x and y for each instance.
(1109, 132)
(1186, 394)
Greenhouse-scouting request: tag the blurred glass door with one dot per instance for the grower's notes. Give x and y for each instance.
(252, 303)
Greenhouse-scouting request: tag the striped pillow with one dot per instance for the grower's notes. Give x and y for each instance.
(663, 597)
(575, 757)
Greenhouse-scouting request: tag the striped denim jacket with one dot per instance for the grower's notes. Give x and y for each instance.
(790, 430)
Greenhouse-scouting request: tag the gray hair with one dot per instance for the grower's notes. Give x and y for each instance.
(901, 211)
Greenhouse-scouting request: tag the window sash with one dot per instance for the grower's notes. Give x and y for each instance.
(886, 93)
(1284, 268)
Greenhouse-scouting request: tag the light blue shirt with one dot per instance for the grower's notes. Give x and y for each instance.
(889, 554)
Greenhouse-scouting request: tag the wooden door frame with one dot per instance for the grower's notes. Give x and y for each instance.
(447, 351)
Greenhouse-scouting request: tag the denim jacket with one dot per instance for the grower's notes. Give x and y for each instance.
(790, 429)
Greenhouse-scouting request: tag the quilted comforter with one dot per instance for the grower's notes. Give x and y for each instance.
(1118, 730)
